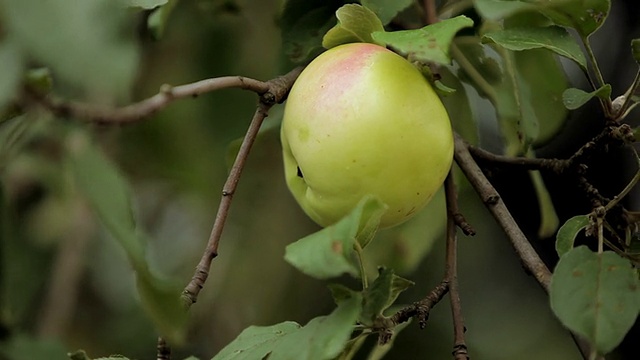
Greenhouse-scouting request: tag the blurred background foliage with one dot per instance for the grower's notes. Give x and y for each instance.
(65, 281)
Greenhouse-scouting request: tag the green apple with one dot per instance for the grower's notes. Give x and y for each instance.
(362, 120)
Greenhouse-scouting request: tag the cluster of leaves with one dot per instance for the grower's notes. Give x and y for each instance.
(509, 58)
(334, 251)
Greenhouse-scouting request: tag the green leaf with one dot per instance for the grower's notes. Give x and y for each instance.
(554, 38)
(329, 252)
(429, 44)
(340, 292)
(499, 9)
(596, 296)
(542, 80)
(303, 24)
(458, 107)
(110, 197)
(380, 350)
(548, 217)
(538, 81)
(39, 81)
(635, 50)
(382, 293)
(524, 88)
(323, 337)
(442, 89)
(12, 66)
(355, 24)
(585, 16)
(85, 43)
(162, 302)
(372, 211)
(404, 247)
(146, 4)
(352, 346)
(386, 9)
(568, 231)
(158, 19)
(256, 342)
(574, 98)
(23, 347)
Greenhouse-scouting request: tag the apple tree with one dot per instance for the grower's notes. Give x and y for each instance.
(164, 221)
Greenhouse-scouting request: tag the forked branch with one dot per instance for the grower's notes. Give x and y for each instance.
(278, 90)
(492, 200)
(449, 283)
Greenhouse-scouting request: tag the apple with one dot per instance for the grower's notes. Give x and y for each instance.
(362, 120)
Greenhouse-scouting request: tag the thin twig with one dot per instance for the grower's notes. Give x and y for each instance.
(610, 135)
(627, 189)
(454, 212)
(430, 12)
(451, 270)
(490, 197)
(422, 308)
(145, 108)
(192, 290)
(496, 206)
(525, 163)
(599, 80)
(163, 350)
(278, 89)
(449, 283)
(621, 112)
(277, 92)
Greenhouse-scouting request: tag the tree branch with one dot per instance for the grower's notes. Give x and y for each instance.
(278, 90)
(421, 309)
(449, 283)
(430, 12)
(451, 270)
(610, 135)
(145, 108)
(496, 206)
(490, 197)
(555, 165)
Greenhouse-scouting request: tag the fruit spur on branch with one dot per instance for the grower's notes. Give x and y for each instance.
(361, 120)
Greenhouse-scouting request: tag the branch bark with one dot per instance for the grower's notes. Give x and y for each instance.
(145, 108)
(496, 206)
(460, 351)
(490, 197)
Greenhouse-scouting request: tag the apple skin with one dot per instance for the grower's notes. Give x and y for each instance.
(361, 120)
